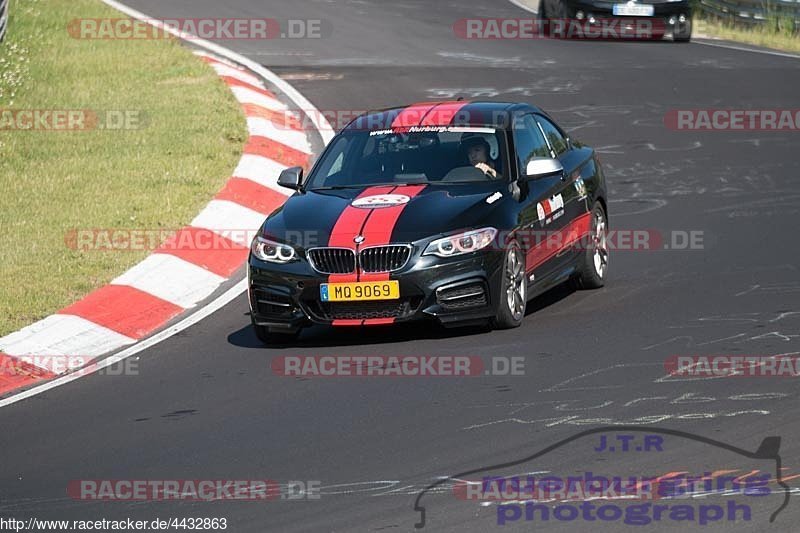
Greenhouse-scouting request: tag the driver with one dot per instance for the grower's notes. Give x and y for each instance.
(478, 149)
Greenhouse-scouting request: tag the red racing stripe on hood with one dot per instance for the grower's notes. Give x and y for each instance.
(381, 223)
(348, 226)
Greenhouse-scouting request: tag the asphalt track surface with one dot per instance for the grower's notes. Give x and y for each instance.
(206, 404)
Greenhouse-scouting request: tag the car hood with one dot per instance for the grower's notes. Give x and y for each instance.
(414, 212)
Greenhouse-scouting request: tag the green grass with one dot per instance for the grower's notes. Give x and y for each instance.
(159, 176)
(774, 33)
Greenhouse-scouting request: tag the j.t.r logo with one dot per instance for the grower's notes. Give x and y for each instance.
(380, 201)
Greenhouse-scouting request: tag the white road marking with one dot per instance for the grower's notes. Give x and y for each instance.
(63, 335)
(172, 279)
(292, 138)
(641, 420)
(519, 4)
(743, 49)
(230, 220)
(225, 70)
(261, 170)
(249, 96)
(187, 322)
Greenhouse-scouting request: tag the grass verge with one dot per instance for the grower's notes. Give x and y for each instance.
(181, 144)
(765, 36)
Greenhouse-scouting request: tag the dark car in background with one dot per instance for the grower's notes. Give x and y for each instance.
(670, 17)
(457, 212)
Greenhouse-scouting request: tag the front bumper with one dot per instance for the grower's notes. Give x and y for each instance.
(667, 18)
(453, 290)
(605, 8)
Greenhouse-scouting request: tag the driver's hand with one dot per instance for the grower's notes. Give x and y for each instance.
(486, 169)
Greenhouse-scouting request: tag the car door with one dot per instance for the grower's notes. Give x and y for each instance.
(573, 191)
(541, 214)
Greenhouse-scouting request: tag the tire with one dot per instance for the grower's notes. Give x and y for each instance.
(513, 297)
(593, 261)
(684, 36)
(562, 11)
(269, 338)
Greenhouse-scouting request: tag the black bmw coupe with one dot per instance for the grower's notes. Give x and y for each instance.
(459, 212)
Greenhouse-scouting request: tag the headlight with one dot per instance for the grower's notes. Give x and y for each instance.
(463, 243)
(272, 252)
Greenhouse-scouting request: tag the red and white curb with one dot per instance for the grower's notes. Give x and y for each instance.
(171, 280)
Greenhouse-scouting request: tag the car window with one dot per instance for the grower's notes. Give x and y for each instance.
(434, 154)
(528, 141)
(335, 157)
(556, 139)
(337, 165)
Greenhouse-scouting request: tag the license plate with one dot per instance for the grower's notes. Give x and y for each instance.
(633, 10)
(356, 292)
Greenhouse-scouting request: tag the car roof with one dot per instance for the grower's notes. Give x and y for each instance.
(442, 113)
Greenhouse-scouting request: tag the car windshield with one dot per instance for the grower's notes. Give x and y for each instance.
(412, 155)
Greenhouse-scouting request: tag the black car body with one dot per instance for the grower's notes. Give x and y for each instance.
(667, 17)
(413, 187)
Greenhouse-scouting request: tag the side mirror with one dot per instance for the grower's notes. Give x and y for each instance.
(291, 178)
(540, 167)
